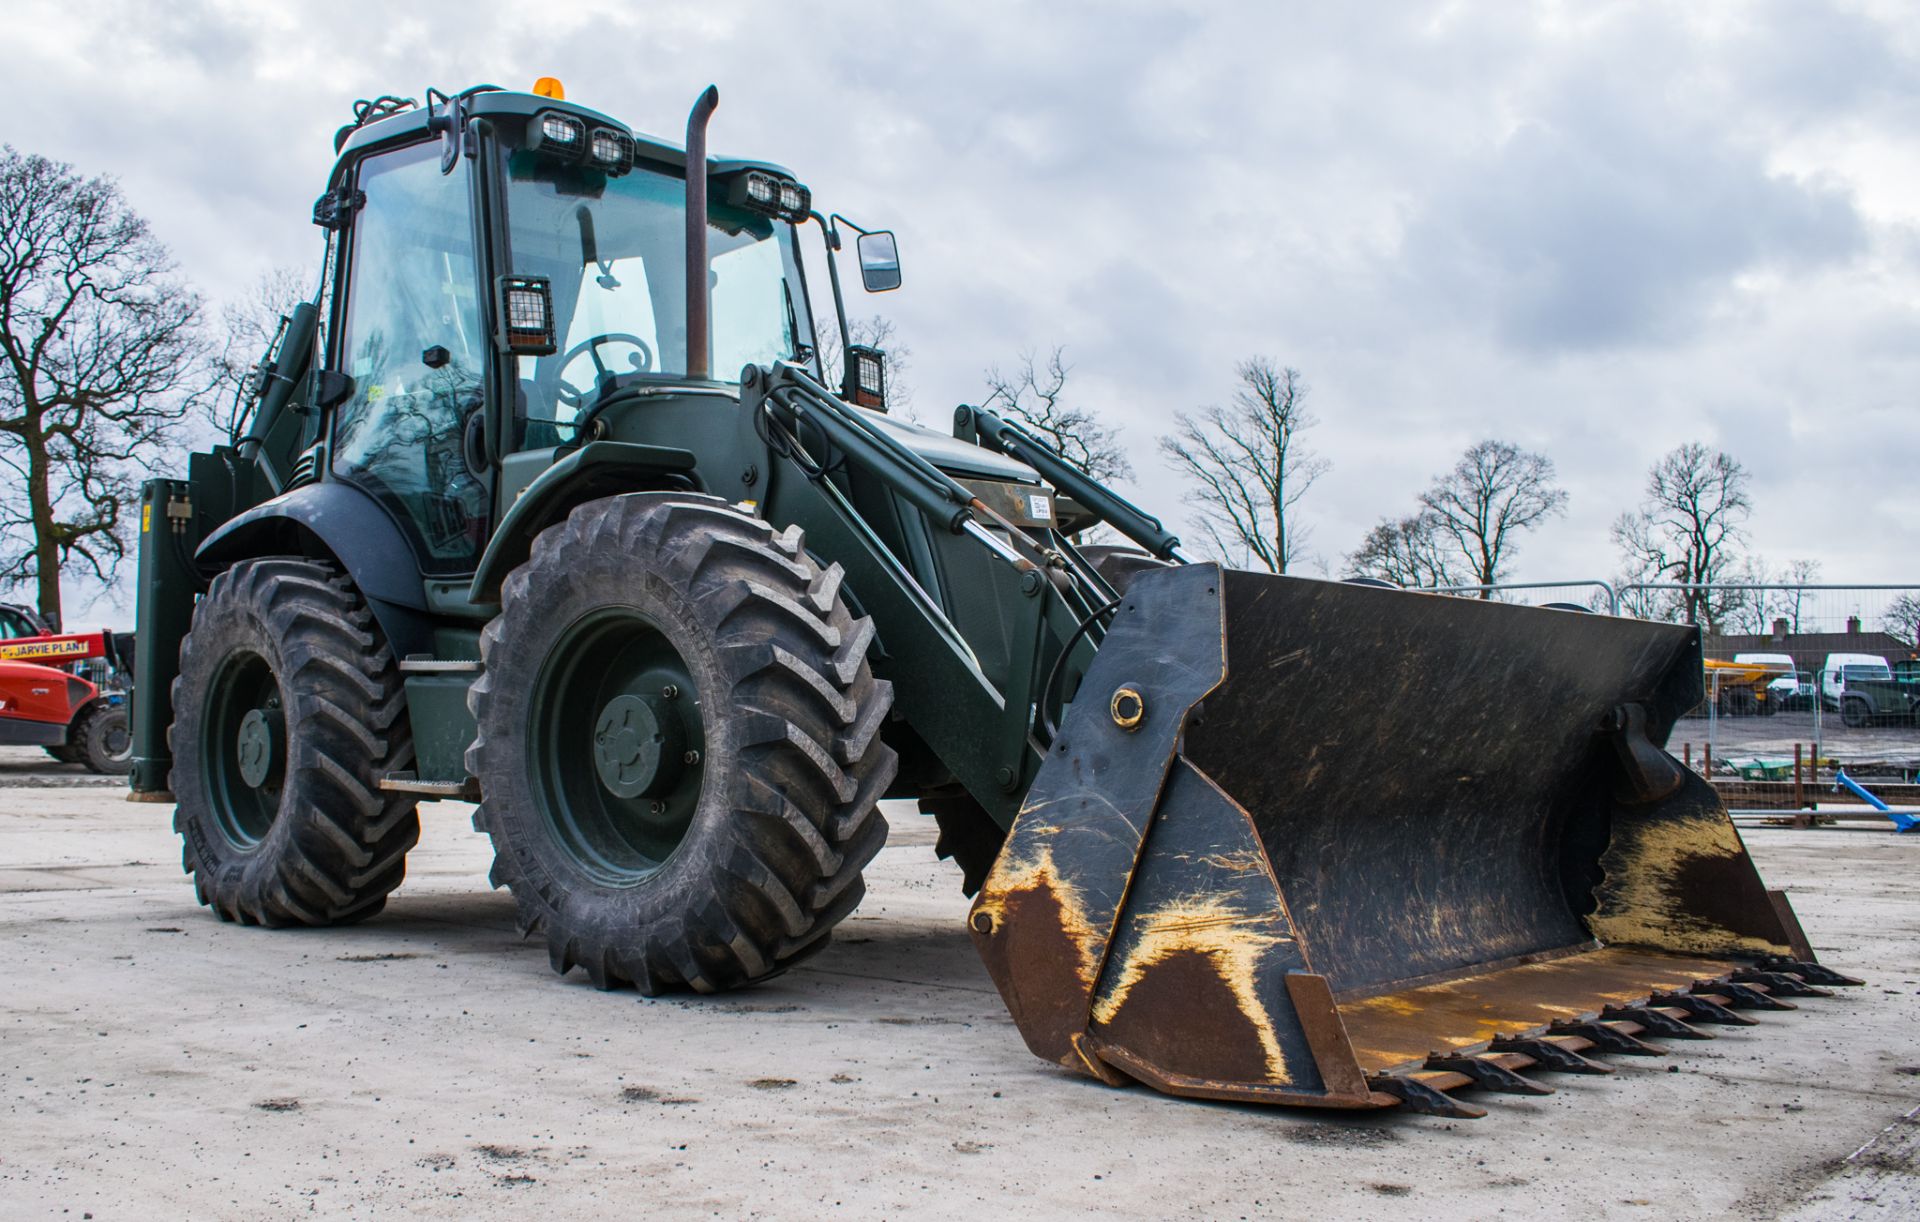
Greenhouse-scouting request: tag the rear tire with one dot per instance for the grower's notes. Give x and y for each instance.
(1856, 713)
(287, 712)
(679, 745)
(64, 752)
(101, 740)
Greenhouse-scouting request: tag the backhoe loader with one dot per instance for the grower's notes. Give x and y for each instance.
(548, 500)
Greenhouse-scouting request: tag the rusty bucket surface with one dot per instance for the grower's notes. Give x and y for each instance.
(1309, 842)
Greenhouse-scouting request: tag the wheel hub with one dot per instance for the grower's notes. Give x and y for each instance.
(638, 745)
(257, 745)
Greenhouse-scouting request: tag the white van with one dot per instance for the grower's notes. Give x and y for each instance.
(1840, 667)
(1780, 690)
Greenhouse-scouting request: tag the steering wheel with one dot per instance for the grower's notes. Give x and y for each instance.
(642, 362)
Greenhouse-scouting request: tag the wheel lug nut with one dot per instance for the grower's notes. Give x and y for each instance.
(670, 692)
(659, 808)
(691, 757)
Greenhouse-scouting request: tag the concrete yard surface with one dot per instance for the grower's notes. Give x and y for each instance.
(155, 1062)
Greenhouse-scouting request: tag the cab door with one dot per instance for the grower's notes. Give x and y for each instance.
(414, 341)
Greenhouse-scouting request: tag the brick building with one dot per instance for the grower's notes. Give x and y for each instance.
(1810, 649)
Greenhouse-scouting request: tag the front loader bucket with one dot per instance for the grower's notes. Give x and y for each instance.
(1315, 843)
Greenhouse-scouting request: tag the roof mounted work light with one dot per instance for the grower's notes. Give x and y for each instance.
(557, 135)
(610, 150)
(770, 195)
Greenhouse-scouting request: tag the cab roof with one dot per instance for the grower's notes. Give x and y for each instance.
(407, 126)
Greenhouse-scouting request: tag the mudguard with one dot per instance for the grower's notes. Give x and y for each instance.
(338, 520)
(597, 469)
(348, 523)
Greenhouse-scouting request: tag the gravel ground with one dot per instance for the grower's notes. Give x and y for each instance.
(157, 1063)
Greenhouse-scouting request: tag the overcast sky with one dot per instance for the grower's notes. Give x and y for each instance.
(1595, 230)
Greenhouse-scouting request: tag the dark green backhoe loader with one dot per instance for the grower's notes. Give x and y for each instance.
(544, 502)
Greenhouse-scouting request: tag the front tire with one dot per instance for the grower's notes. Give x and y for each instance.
(679, 745)
(287, 711)
(1856, 714)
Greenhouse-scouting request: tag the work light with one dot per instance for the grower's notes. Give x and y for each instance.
(611, 151)
(867, 377)
(557, 135)
(770, 195)
(526, 314)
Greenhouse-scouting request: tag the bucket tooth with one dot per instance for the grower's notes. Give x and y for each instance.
(1487, 1075)
(1653, 1022)
(1809, 971)
(1780, 984)
(1744, 996)
(1417, 1096)
(1607, 1039)
(1703, 1009)
(1547, 1054)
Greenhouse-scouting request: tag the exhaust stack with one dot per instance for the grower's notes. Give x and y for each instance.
(697, 294)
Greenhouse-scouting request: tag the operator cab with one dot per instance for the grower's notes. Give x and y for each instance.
(509, 265)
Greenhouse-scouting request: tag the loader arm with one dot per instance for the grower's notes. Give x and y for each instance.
(982, 730)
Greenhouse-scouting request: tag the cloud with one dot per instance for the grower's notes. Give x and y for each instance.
(1599, 230)
(1618, 210)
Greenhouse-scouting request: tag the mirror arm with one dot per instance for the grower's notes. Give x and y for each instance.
(836, 220)
(831, 237)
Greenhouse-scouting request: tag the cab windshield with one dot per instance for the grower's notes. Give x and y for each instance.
(614, 250)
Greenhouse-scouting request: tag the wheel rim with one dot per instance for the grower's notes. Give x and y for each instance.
(116, 739)
(615, 744)
(244, 748)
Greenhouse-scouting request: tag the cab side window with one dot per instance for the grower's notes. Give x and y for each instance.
(415, 345)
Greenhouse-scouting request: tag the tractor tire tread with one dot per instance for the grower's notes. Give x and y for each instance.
(337, 846)
(777, 862)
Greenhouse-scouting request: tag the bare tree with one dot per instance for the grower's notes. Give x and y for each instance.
(879, 332)
(250, 325)
(1411, 552)
(1902, 618)
(1754, 611)
(1033, 396)
(1791, 603)
(1494, 493)
(101, 356)
(1250, 466)
(1689, 530)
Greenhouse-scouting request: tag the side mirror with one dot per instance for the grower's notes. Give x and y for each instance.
(879, 261)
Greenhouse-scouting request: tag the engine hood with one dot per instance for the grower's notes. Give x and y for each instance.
(950, 454)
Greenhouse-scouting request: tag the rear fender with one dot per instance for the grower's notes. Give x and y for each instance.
(339, 522)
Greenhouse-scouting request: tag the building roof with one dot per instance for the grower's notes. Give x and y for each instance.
(1809, 649)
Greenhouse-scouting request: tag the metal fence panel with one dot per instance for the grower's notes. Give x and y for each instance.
(1827, 673)
(1803, 681)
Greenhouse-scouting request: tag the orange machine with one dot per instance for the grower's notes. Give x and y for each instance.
(41, 705)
